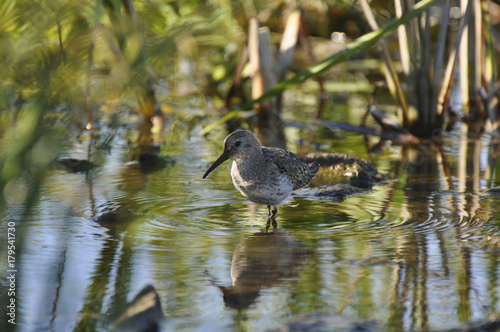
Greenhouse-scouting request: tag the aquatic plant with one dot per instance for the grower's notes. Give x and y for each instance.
(429, 64)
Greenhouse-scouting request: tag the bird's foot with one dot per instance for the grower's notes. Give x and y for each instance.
(272, 218)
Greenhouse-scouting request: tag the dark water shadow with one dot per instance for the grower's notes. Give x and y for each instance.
(143, 313)
(263, 260)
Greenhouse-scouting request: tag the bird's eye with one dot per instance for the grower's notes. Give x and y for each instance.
(238, 143)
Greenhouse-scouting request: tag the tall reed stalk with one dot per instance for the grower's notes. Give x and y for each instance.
(428, 66)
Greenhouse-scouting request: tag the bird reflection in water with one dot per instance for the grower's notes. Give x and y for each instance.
(263, 260)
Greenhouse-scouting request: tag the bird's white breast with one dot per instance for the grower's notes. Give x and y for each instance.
(260, 187)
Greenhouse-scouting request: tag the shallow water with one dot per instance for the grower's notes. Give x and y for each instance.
(410, 254)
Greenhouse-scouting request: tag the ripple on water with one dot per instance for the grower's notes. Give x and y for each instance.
(393, 252)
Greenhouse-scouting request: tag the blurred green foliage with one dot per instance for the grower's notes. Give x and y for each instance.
(61, 59)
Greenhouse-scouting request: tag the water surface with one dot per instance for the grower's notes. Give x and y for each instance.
(414, 253)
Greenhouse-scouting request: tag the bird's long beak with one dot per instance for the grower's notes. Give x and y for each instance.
(223, 157)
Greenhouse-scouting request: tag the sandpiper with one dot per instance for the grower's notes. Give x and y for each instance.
(264, 175)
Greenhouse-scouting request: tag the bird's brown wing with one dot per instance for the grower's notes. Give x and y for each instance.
(291, 165)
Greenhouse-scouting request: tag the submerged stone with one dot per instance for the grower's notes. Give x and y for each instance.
(150, 162)
(117, 217)
(494, 191)
(144, 313)
(73, 165)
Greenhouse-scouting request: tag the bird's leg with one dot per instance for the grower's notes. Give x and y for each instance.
(273, 217)
(268, 217)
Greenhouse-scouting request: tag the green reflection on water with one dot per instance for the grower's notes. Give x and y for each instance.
(407, 254)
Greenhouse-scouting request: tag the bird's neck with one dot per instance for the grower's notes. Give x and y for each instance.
(256, 157)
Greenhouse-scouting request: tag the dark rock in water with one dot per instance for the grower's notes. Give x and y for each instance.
(338, 167)
(150, 162)
(73, 165)
(142, 314)
(117, 217)
(494, 191)
(321, 322)
(336, 193)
